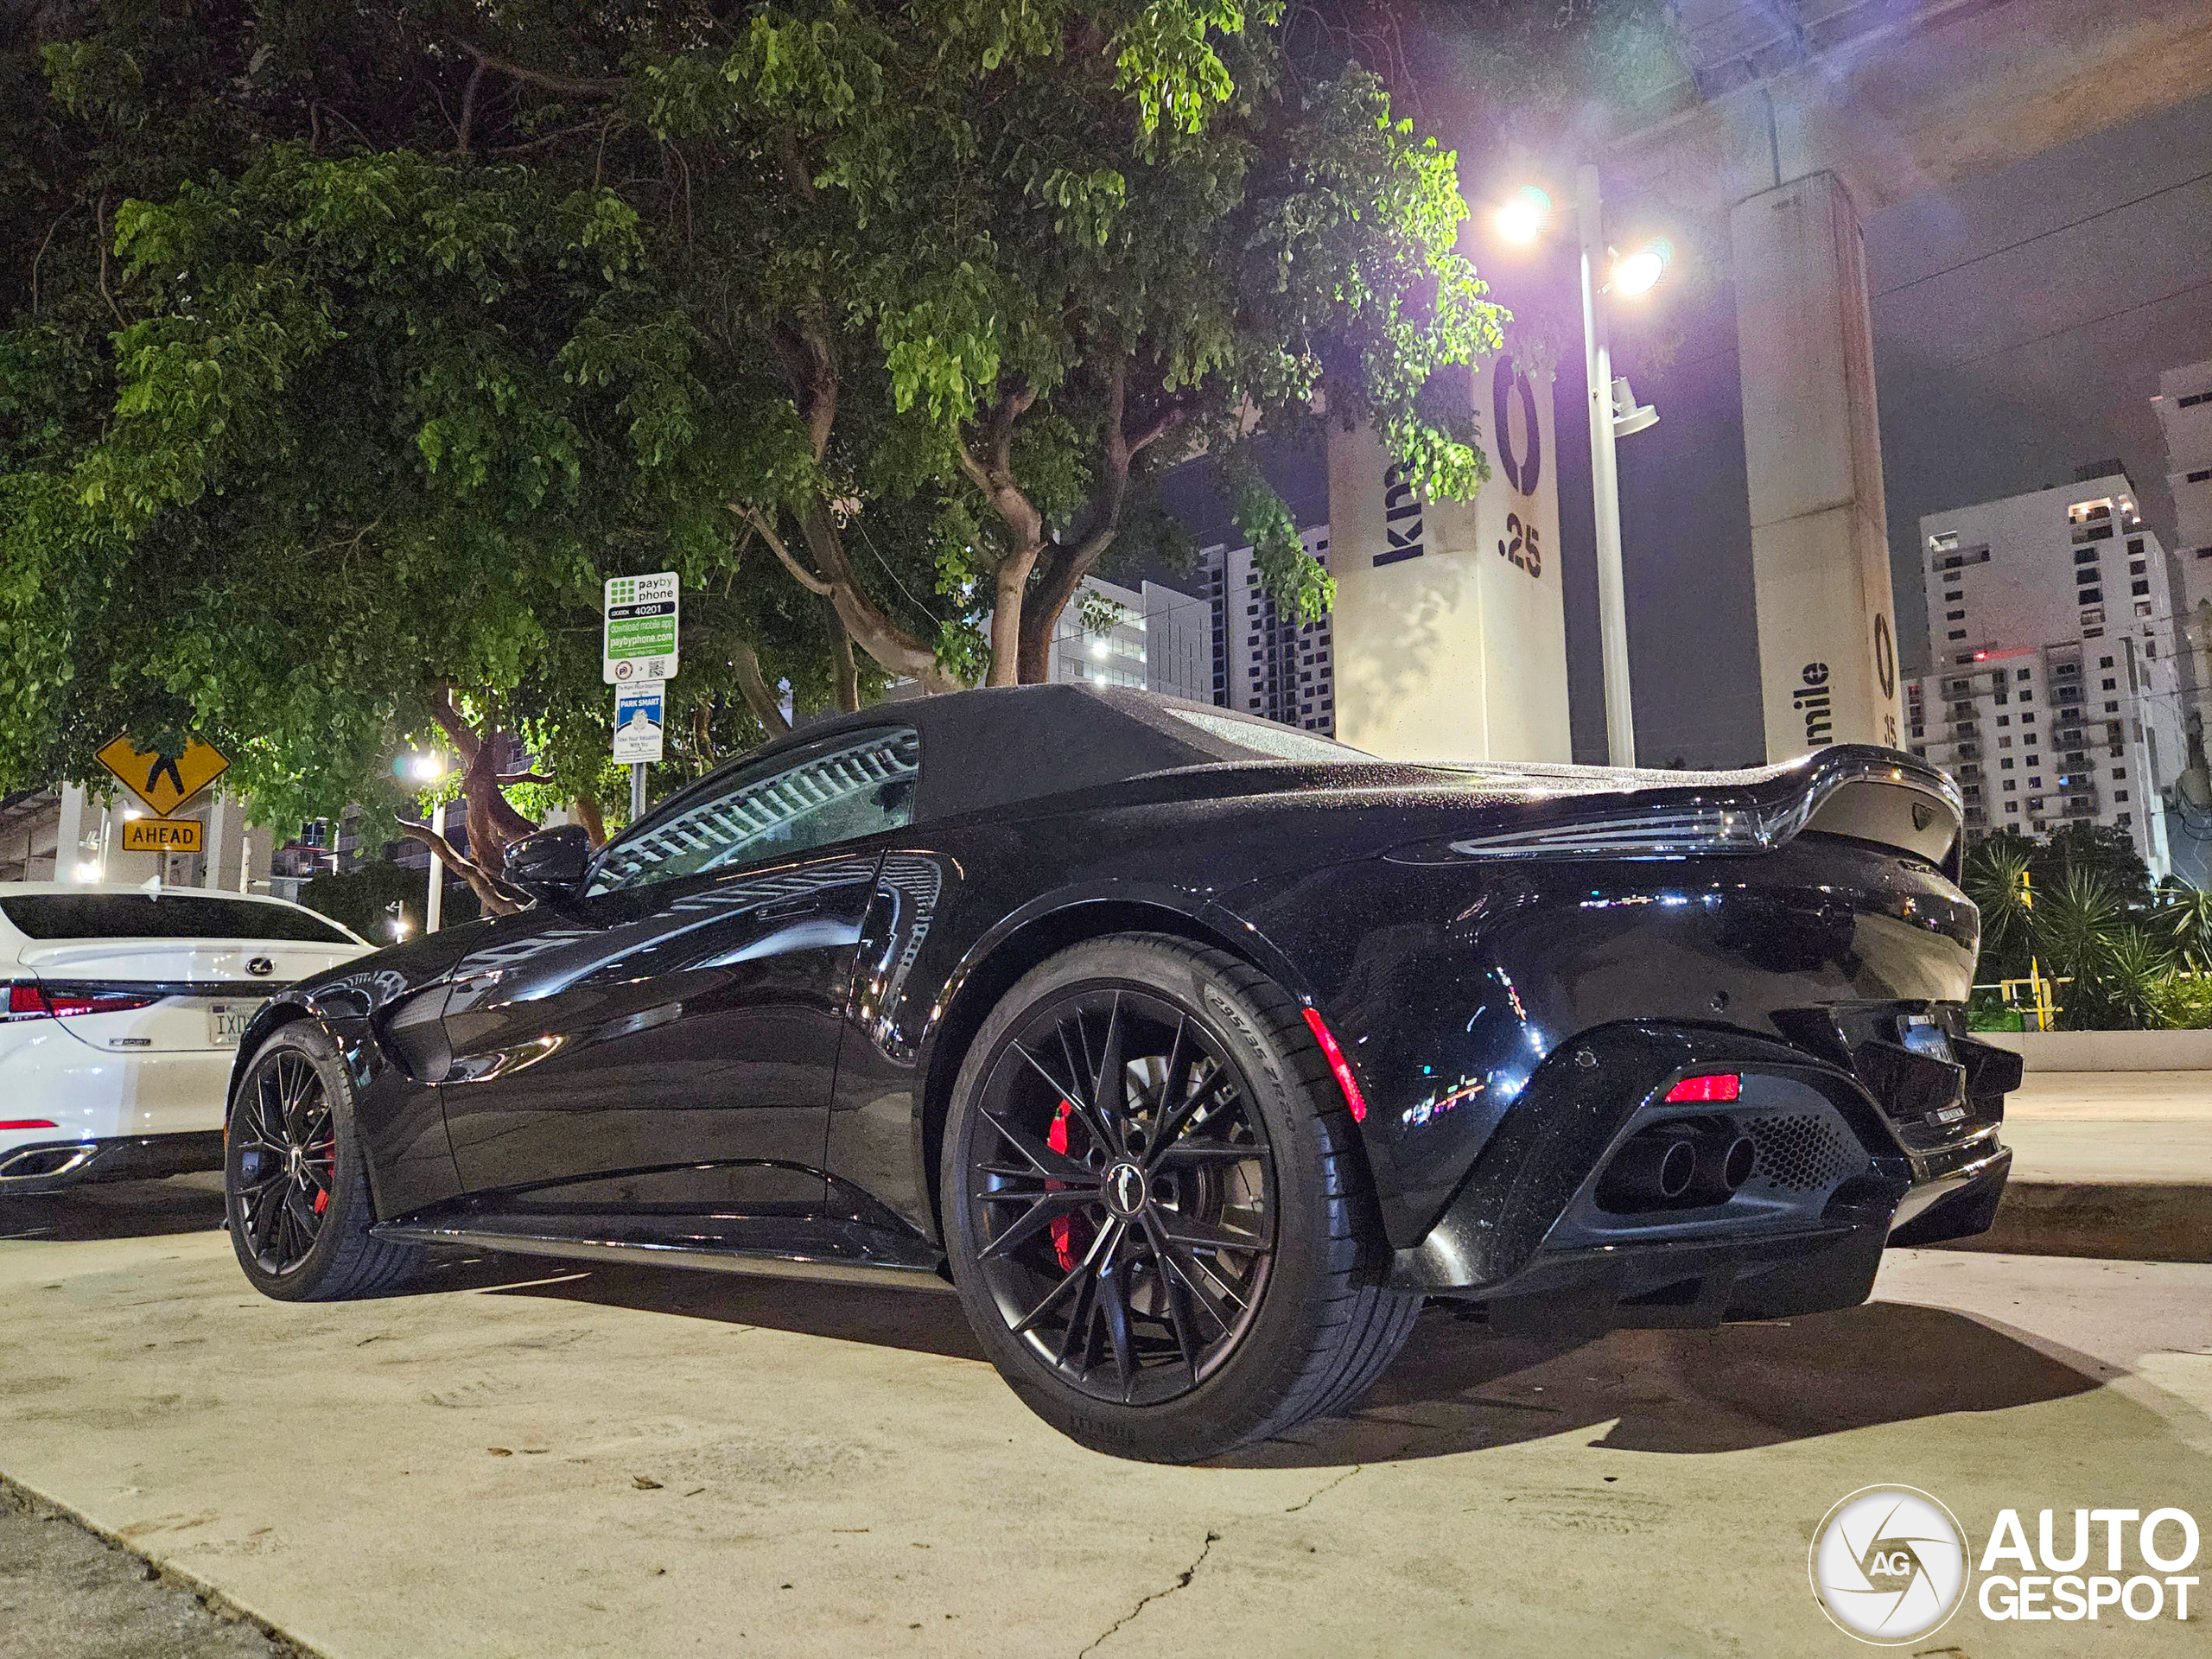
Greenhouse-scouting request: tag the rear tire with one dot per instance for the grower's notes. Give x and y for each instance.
(1204, 1275)
(295, 1184)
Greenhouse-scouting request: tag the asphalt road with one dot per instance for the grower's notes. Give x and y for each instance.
(522, 1458)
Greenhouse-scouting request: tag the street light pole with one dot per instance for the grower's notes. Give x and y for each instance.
(1605, 479)
(433, 902)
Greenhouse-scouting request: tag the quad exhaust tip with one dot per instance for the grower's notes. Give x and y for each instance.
(1678, 1165)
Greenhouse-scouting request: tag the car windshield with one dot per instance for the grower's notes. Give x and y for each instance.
(164, 916)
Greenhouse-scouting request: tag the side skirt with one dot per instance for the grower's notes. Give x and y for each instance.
(829, 1251)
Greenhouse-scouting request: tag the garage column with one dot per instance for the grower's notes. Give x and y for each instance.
(1812, 442)
(68, 834)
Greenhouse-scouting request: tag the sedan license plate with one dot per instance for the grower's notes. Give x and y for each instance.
(226, 1023)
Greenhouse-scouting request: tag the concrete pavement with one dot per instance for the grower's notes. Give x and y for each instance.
(2109, 1164)
(522, 1458)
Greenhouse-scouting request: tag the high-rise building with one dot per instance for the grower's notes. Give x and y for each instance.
(2056, 695)
(1156, 639)
(2184, 408)
(1264, 662)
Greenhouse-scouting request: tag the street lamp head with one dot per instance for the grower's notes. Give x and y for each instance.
(1525, 215)
(1639, 273)
(426, 768)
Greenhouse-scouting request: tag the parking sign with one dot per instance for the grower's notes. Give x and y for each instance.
(638, 628)
(639, 723)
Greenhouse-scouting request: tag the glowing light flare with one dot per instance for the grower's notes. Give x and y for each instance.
(1525, 215)
(1639, 273)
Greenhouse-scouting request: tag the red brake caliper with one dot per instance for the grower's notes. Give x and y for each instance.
(1063, 1226)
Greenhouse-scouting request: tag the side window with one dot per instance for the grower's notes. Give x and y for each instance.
(853, 786)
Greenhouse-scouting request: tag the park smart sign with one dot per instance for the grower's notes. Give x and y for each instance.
(164, 782)
(639, 639)
(641, 716)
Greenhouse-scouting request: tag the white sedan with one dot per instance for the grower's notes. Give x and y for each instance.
(119, 1009)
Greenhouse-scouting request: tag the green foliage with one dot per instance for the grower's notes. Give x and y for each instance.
(362, 899)
(2077, 907)
(344, 352)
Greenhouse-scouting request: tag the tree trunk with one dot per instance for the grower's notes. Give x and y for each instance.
(760, 696)
(841, 660)
(492, 820)
(1013, 590)
(595, 821)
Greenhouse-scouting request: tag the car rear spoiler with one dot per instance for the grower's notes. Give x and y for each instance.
(1857, 791)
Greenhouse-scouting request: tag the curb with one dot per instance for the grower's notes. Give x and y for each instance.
(2145, 1221)
(17, 1495)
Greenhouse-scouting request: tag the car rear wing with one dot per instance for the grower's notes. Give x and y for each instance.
(1857, 791)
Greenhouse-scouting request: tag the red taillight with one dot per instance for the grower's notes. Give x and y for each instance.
(1713, 1085)
(29, 1123)
(31, 1001)
(1337, 1064)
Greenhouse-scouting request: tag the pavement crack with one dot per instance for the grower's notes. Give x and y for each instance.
(1323, 1489)
(1182, 1581)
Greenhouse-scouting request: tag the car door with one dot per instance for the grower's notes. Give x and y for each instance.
(670, 1039)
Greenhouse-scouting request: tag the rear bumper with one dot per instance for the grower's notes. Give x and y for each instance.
(48, 1077)
(57, 1166)
(1530, 1233)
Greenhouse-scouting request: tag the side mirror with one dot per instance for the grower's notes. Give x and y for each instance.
(551, 863)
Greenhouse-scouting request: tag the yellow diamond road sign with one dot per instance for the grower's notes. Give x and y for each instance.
(164, 782)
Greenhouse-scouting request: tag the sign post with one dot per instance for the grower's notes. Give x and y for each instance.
(638, 657)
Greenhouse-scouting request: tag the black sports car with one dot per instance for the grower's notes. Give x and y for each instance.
(1194, 1052)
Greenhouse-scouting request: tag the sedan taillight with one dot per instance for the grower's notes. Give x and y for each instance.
(29, 1000)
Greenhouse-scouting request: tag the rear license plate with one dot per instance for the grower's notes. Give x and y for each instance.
(226, 1023)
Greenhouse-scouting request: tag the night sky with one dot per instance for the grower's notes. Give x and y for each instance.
(2021, 322)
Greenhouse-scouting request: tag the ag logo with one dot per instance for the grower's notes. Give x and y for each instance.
(1888, 1565)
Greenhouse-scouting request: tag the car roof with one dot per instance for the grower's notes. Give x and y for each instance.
(1006, 744)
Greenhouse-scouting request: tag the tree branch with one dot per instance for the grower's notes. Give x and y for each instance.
(800, 573)
(458, 731)
(573, 86)
(497, 898)
(468, 106)
(759, 697)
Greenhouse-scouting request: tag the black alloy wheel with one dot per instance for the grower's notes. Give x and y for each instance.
(1156, 1208)
(295, 1184)
(285, 1140)
(1123, 1188)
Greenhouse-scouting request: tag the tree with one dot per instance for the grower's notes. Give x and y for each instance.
(1012, 270)
(354, 346)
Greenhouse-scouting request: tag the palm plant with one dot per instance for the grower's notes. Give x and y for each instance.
(2186, 914)
(1996, 880)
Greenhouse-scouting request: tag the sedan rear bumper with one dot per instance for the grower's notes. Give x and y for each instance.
(57, 1166)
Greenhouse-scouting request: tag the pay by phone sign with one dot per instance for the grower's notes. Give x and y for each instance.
(640, 618)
